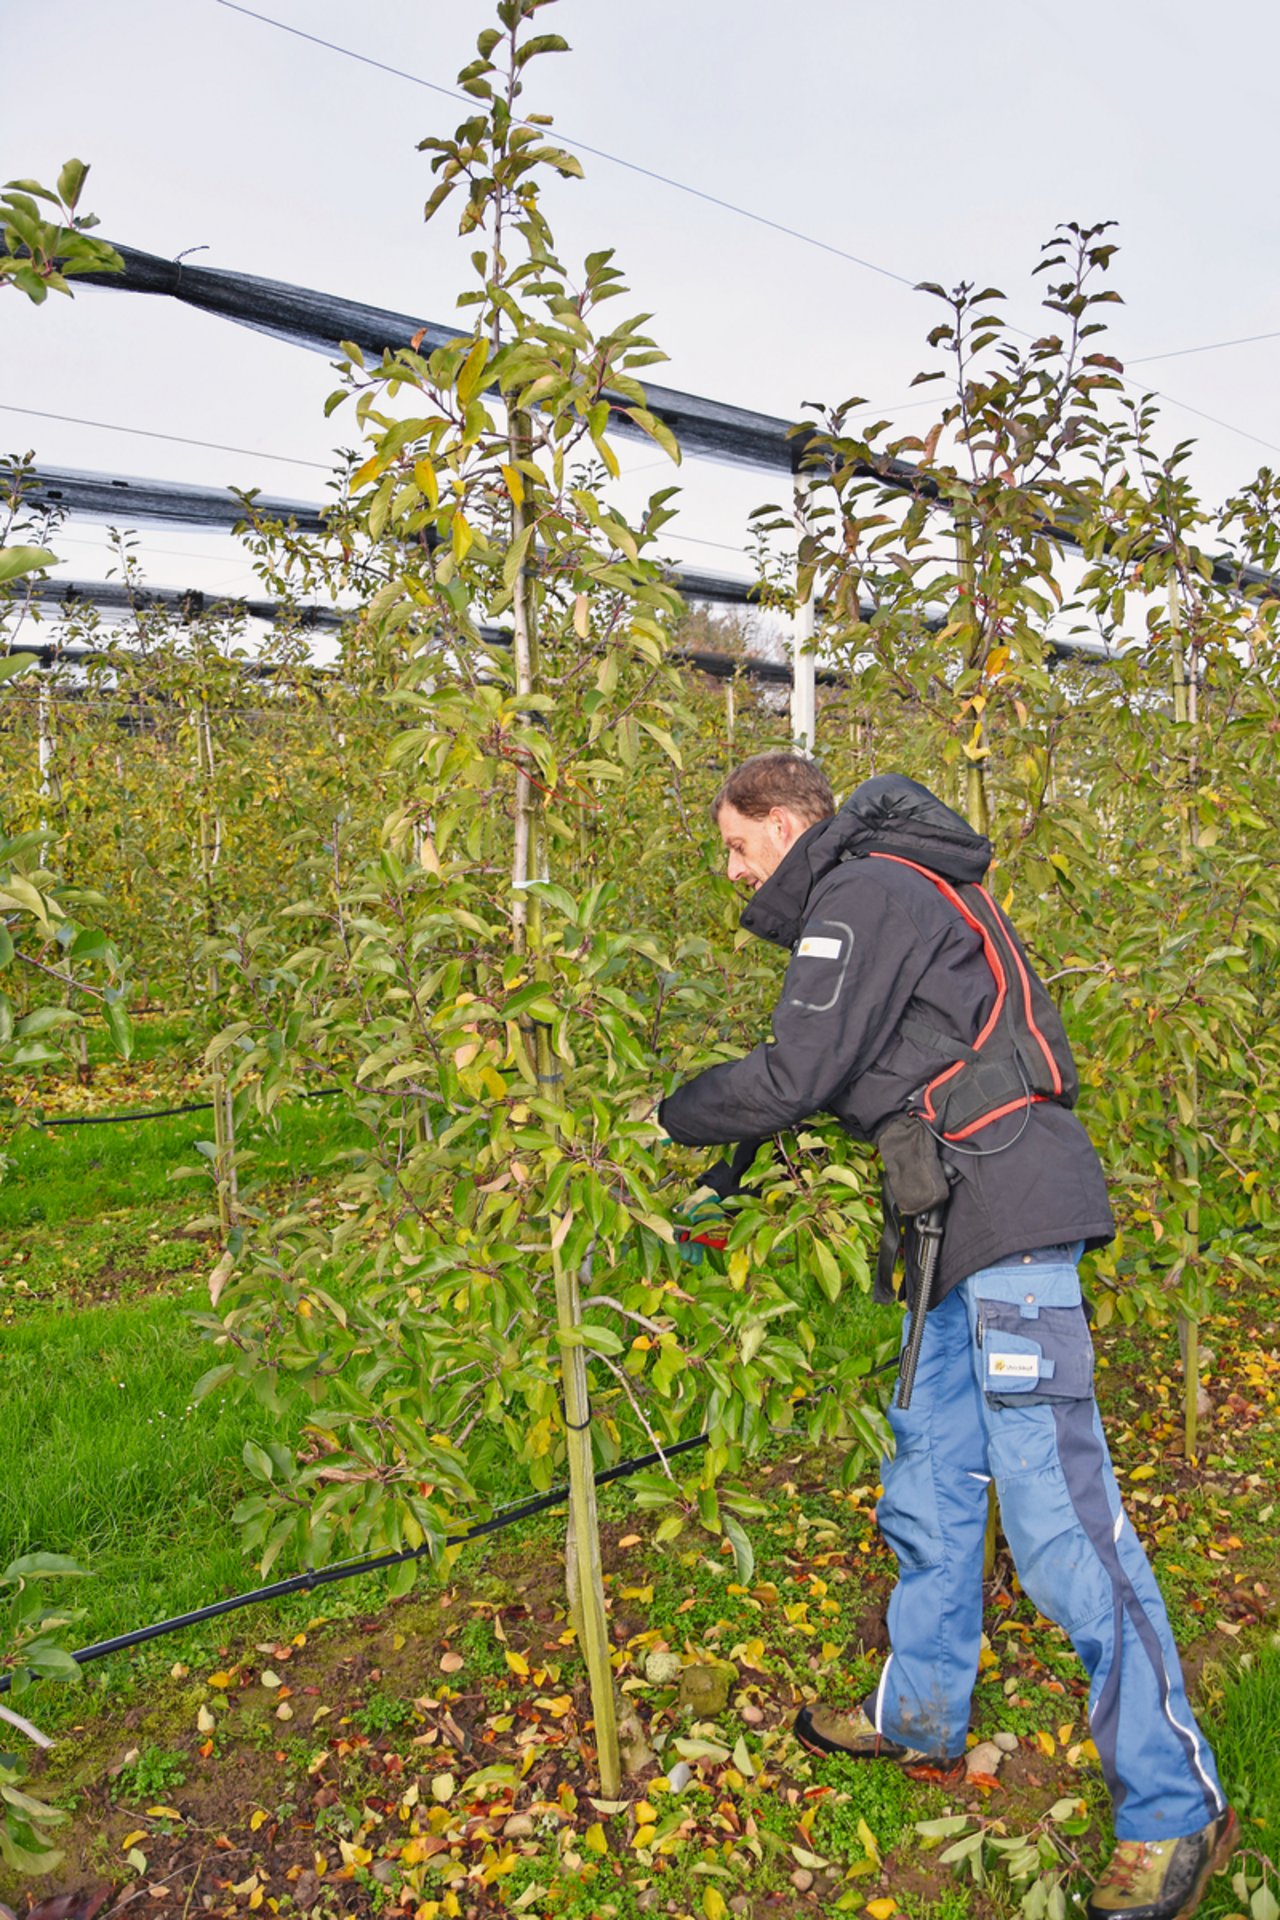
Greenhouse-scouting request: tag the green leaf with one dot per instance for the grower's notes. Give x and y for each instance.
(210, 1382)
(26, 1859)
(44, 1566)
(943, 1829)
(15, 561)
(744, 1558)
(89, 944)
(71, 182)
(120, 1028)
(258, 1461)
(599, 1339)
(44, 1019)
(540, 43)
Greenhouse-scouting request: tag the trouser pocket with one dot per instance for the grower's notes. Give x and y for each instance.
(1032, 1348)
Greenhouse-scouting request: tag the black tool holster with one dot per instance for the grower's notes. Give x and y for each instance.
(916, 1191)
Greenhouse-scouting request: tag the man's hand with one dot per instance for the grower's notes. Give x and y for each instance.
(700, 1223)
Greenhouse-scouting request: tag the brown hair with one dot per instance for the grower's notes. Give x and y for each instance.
(771, 780)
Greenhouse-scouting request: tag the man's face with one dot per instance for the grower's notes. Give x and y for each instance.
(756, 847)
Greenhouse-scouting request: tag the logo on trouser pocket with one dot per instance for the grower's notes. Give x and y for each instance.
(1006, 1372)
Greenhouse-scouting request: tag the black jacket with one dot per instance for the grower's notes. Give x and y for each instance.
(875, 944)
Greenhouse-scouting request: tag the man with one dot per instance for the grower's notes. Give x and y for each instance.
(902, 968)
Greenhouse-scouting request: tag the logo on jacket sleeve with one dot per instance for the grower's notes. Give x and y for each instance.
(817, 947)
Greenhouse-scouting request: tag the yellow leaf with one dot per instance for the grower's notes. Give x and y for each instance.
(222, 1679)
(644, 1836)
(869, 1842)
(1045, 1743)
(881, 1909)
(352, 1855)
(1065, 1732)
(517, 1663)
(205, 1721)
(425, 475)
(369, 471)
(713, 1903)
(1142, 1473)
(515, 484)
(256, 1819)
(462, 536)
(163, 1813)
(593, 1839)
(132, 1839)
(442, 1788)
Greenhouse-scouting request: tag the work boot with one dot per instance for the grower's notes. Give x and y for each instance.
(824, 1731)
(1163, 1879)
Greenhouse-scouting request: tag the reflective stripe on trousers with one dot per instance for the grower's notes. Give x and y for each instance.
(1004, 1392)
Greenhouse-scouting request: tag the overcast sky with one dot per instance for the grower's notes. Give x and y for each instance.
(929, 140)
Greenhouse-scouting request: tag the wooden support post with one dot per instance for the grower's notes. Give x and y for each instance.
(1186, 1156)
(224, 1129)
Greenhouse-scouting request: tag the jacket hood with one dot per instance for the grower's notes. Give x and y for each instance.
(888, 814)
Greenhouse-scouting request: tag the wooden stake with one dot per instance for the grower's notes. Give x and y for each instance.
(592, 1621)
(530, 862)
(1186, 1160)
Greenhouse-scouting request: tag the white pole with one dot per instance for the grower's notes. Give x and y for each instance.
(48, 744)
(804, 703)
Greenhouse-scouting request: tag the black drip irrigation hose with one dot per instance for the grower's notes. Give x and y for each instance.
(350, 1570)
(151, 1113)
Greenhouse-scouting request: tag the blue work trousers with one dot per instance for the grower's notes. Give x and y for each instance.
(1004, 1392)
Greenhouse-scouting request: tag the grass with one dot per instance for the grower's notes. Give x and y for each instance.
(1244, 1726)
(68, 1174)
(104, 1455)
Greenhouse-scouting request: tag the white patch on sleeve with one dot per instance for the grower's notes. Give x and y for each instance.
(1013, 1366)
(822, 946)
